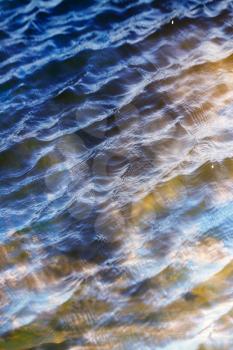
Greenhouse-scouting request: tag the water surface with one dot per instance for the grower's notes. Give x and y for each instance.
(116, 169)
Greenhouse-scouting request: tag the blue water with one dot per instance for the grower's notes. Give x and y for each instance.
(116, 174)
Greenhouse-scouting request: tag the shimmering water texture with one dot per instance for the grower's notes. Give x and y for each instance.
(116, 175)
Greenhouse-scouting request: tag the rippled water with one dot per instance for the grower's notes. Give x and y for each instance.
(116, 169)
